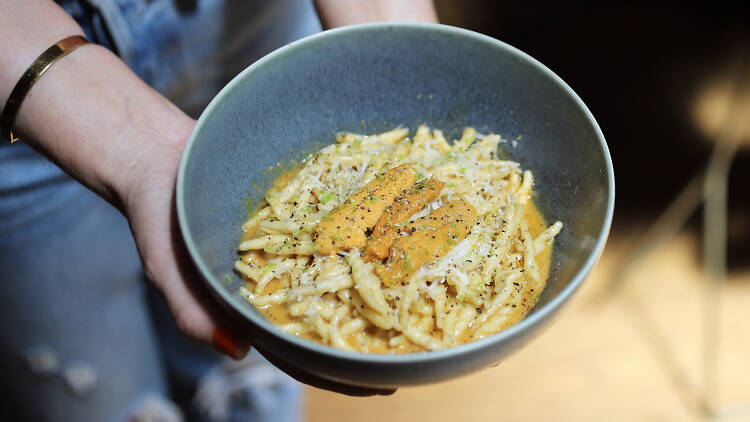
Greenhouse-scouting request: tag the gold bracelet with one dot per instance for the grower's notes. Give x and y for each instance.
(29, 78)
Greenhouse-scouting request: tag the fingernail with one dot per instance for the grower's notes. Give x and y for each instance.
(224, 343)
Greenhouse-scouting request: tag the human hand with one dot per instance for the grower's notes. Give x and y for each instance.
(148, 202)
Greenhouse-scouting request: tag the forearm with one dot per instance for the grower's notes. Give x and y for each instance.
(335, 13)
(28, 27)
(89, 113)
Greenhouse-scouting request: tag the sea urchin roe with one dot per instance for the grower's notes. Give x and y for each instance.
(393, 220)
(429, 238)
(344, 227)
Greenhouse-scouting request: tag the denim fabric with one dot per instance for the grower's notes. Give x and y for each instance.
(71, 282)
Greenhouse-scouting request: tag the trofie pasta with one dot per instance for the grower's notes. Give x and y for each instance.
(392, 244)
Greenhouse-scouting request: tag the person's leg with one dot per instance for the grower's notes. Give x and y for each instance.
(212, 388)
(76, 341)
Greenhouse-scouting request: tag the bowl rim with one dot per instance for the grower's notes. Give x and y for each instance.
(244, 308)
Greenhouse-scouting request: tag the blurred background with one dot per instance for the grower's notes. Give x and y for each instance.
(661, 329)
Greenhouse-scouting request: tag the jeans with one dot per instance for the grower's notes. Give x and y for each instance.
(83, 338)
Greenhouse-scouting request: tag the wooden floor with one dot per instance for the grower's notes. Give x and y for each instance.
(636, 355)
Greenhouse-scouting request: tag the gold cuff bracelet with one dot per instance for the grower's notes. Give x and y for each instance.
(29, 78)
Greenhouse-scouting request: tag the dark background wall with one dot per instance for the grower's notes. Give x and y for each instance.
(639, 68)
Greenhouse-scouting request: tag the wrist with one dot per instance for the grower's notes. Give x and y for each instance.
(149, 158)
(101, 124)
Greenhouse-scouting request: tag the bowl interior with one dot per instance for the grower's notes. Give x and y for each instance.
(373, 78)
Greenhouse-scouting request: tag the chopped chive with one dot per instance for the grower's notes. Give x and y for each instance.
(327, 196)
(267, 268)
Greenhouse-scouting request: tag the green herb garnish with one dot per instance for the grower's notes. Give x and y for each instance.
(327, 196)
(267, 268)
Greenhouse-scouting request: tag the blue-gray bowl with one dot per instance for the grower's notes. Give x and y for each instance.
(371, 78)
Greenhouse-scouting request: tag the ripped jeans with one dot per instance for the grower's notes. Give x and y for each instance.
(83, 338)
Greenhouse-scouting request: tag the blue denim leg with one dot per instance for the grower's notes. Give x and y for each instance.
(76, 341)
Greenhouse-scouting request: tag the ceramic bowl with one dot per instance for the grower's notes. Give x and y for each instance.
(371, 78)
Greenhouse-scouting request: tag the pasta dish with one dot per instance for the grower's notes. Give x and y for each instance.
(395, 244)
